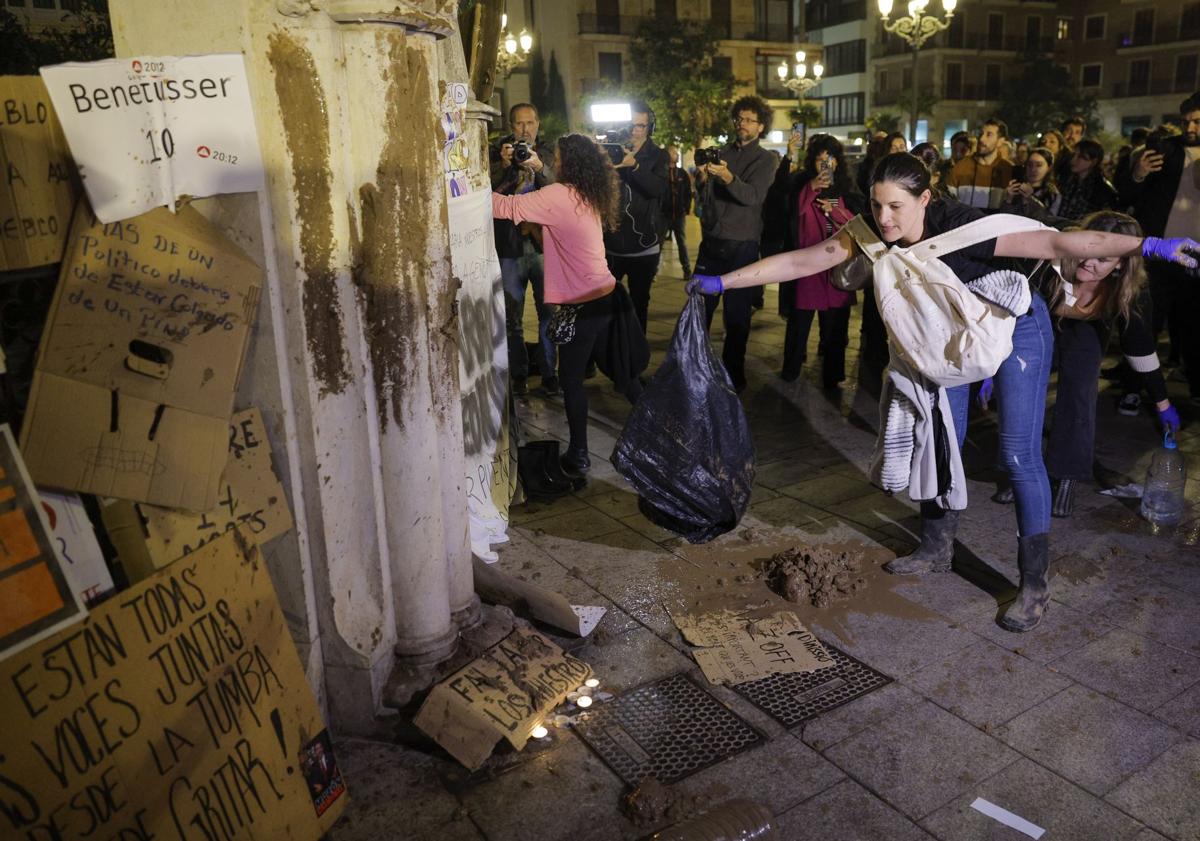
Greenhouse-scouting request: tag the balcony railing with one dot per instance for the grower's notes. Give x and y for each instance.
(973, 41)
(590, 24)
(1166, 34)
(1151, 87)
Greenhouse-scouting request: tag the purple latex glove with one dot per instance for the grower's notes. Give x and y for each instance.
(1178, 250)
(986, 388)
(707, 284)
(1169, 418)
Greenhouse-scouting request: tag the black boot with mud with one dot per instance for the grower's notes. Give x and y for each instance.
(574, 462)
(936, 551)
(531, 467)
(554, 468)
(1033, 559)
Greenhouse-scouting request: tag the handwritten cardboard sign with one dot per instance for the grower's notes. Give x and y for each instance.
(502, 694)
(36, 597)
(251, 498)
(140, 360)
(178, 710)
(149, 129)
(736, 650)
(38, 186)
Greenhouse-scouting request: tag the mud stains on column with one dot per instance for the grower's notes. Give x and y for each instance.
(306, 132)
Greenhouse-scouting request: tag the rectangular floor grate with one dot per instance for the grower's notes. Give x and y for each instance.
(795, 698)
(668, 730)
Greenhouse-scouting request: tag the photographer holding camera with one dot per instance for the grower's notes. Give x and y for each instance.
(633, 249)
(733, 182)
(521, 166)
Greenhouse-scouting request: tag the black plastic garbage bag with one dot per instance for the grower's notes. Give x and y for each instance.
(686, 447)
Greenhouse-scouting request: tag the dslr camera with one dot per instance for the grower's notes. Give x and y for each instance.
(522, 151)
(711, 155)
(617, 142)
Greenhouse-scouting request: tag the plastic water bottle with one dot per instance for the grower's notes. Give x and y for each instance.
(737, 820)
(1162, 498)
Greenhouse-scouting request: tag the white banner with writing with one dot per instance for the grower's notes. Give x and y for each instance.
(483, 370)
(146, 130)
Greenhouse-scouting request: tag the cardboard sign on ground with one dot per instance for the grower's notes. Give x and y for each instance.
(77, 545)
(140, 359)
(251, 498)
(36, 596)
(502, 694)
(148, 129)
(178, 710)
(736, 650)
(38, 186)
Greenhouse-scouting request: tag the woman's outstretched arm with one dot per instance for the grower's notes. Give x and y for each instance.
(1050, 245)
(792, 264)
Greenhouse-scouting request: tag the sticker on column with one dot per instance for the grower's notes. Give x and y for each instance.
(456, 153)
(145, 131)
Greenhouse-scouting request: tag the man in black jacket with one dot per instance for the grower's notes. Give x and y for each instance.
(678, 206)
(1163, 187)
(733, 191)
(633, 249)
(519, 247)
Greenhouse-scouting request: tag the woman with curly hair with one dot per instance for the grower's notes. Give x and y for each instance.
(1089, 299)
(574, 213)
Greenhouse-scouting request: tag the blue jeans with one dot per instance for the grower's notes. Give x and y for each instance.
(1021, 403)
(516, 272)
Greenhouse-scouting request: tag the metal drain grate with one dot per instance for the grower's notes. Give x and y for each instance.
(795, 698)
(668, 730)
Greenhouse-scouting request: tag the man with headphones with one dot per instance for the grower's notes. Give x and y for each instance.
(633, 249)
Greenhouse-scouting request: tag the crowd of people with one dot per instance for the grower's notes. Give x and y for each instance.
(1113, 253)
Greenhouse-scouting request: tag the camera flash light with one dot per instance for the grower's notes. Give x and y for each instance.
(611, 112)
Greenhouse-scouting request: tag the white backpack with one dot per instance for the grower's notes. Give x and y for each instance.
(945, 331)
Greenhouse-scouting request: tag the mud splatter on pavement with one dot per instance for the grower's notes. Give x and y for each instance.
(818, 575)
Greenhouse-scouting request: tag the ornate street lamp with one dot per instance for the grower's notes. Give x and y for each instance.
(513, 49)
(916, 28)
(800, 83)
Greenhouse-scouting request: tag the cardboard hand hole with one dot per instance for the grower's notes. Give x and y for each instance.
(151, 360)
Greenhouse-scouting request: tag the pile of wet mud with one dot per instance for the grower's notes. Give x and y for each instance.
(816, 575)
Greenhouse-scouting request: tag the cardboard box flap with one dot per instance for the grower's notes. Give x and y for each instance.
(157, 307)
(154, 453)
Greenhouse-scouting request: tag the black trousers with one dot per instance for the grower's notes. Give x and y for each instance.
(716, 257)
(590, 341)
(641, 272)
(834, 325)
(1080, 348)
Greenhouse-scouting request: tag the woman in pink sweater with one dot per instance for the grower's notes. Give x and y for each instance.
(574, 213)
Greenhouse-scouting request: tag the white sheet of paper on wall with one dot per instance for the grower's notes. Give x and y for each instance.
(146, 130)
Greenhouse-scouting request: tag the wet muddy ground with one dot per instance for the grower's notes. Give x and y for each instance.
(1089, 726)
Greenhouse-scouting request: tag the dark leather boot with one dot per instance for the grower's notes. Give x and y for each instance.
(936, 551)
(1005, 495)
(531, 467)
(1033, 559)
(554, 468)
(575, 462)
(1064, 498)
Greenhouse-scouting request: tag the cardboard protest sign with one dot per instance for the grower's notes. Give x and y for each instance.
(39, 186)
(502, 694)
(177, 710)
(736, 650)
(140, 359)
(148, 537)
(36, 597)
(147, 130)
(72, 530)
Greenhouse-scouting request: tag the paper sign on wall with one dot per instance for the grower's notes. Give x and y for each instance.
(36, 598)
(184, 713)
(148, 537)
(72, 530)
(147, 130)
(38, 186)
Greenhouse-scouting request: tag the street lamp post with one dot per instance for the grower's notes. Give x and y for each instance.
(799, 82)
(916, 28)
(514, 49)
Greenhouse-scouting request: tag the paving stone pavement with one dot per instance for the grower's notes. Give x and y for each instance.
(1089, 726)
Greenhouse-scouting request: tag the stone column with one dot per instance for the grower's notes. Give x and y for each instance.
(354, 361)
